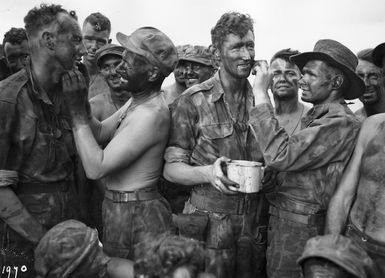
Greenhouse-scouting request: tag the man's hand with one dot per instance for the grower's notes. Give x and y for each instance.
(262, 82)
(269, 180)
(218, 178)
(76, 95)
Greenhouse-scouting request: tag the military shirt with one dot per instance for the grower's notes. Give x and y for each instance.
(203, 128)
(361, 114)
(314, 158)
(35, 133)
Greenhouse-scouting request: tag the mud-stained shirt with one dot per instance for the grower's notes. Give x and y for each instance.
(314, 158)
(35, 133)
(203, 128)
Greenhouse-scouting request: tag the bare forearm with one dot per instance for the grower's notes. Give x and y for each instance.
(89, 151)
(18, 218)
(337, 215)
(182, 173)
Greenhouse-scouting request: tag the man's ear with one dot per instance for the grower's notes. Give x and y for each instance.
(337, 82)
(153, 74)
(49, 40)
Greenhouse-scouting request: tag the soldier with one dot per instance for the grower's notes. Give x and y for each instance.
(135, 137)
(210, 123)
(16, 52)
(373, 77)
(38, 156)
(314, 157)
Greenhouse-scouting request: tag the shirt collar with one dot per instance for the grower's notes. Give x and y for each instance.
(320, 109)
(219, 92)
(36, 88)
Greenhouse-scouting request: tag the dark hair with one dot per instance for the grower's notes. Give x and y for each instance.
(15, 36)
(98, 21)
(46, 14)
(161, 255)
(231, 23)
(284, 54)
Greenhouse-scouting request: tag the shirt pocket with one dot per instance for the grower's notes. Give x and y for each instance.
(217, 131)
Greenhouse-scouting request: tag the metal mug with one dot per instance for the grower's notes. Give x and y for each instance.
(248, 174)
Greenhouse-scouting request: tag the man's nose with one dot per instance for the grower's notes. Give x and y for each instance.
(245, 53)
(120, 68)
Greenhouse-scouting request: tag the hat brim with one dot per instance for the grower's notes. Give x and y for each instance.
(356, 85)
(378, 54)
(113, 52)
(196, 60)
(330, 257)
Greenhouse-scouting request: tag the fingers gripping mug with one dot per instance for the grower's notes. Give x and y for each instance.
(248, 174)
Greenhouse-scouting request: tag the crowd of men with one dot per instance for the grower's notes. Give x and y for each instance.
(107, 172)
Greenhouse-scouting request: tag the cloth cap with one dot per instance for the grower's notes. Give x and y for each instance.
(108, 49)
(70, 249)
(366, 55)
(199, 54)
(340, 250)
(339, 56)
(152, 44)
(378, 55)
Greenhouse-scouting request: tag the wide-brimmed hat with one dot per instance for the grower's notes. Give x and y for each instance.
(340, 250)
(152, 44)
(336, 55)
(198, 54)
(108, 49)
(378, 54)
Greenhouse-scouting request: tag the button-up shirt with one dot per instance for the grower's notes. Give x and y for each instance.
(203, 127)
(314, 158)
(35, 133)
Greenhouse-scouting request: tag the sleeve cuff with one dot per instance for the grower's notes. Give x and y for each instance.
(175, 154)
(8, 177)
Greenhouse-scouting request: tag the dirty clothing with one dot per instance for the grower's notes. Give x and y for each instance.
(127, 222)
(374, 248)
(38, 147)
(361, 114)
(314, 159)
(203, 128)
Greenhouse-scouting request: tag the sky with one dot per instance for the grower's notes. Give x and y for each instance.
(279, 24)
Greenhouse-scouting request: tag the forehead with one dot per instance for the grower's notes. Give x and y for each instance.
(316, 65)
(365, 66)
(281, 64)
(232, 39)
(16, 48)
(89, 30)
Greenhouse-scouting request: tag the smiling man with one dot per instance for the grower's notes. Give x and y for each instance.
(314, 157)
(374, 97)
(209, 122)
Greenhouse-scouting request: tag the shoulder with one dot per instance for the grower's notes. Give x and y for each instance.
(11, 87)
(205, 87)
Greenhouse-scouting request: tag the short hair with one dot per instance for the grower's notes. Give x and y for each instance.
(15, 36)
(284, 54)
(44, 15)
(231, 23)
(98, 21)
(161, 255)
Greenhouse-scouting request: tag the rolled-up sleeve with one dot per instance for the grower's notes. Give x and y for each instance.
(327, 139)
(183, 131)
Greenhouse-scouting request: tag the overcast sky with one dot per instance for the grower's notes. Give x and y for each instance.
(279, 24)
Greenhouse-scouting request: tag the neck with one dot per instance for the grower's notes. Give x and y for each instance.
(142, 96)
(375, 108)
(119, 98)
(232, 87)
(286, 106)
(44, 72)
